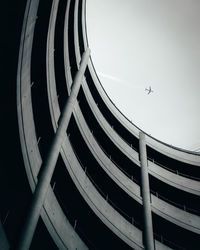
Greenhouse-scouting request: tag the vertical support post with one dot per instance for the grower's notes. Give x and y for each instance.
(50, 162)
(148, 227)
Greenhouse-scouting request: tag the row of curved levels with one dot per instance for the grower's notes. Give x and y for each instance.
(94, 198)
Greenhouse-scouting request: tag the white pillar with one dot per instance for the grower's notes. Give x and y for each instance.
(148, 227)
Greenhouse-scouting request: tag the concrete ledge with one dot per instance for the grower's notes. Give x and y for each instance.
(166, 149)
(175, 180)
(50, 67)
(175, 215)
(109, 216)
(31, 155)
(160, 173)
(76, 35)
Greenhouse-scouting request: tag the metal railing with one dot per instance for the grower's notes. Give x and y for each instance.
(130, 144)
(167, 242)
(181, 206)
(74, 221)
(116, 164)
(174, 171)
(129, 218)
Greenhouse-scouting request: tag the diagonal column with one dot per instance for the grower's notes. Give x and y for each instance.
(50, 162)
(148, 228)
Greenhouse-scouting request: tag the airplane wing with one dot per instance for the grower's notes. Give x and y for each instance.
(149, 90)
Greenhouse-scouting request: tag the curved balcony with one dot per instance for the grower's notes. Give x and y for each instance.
(43, 79)
(110, 217)
(172, 213)
(57, 224)
(188, 157)
(161, 173)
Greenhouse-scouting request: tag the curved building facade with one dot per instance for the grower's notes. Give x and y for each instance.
(97, 181)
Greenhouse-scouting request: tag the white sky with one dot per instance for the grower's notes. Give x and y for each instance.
(138, 43)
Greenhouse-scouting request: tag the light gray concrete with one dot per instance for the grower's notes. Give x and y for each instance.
(147, 217)
(164, 209)
(176, 215)
(76, 35)
(50, 68)
(104, 161)
(27, 133)
(106, 213)
(85, 42)
(58, 225)
(63, 233)
(180, 155)
(175, 180)
(30, 148)
(68, 75)
(55, 220)
(109, 216)
(48, 168)
(109, 130)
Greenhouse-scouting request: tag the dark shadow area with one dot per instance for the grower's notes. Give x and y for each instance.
(89, 227)
(120, 160)
(42, 239)
(115, 195)
(181, 168)
(112, 120)
(176, 197)
(15, 192)
(14, 188)
(179, 198)
(174, 236)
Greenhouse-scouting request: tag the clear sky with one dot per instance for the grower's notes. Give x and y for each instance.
(140, 43)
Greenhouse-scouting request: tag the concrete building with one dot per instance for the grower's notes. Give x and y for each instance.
(87, 178)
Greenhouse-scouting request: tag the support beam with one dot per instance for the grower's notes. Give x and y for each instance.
(148, 228)
(49, 165)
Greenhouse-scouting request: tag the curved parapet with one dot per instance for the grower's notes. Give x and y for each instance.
(174, 179)
(100, 152)
(57, 224)
(131, 235)
(172, 213)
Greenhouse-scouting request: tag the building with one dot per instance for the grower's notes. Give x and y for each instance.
(103, 183)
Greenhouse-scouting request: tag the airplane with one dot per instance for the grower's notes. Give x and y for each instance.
(149, 90)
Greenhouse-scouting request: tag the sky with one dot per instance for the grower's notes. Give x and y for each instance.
(140, 43)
